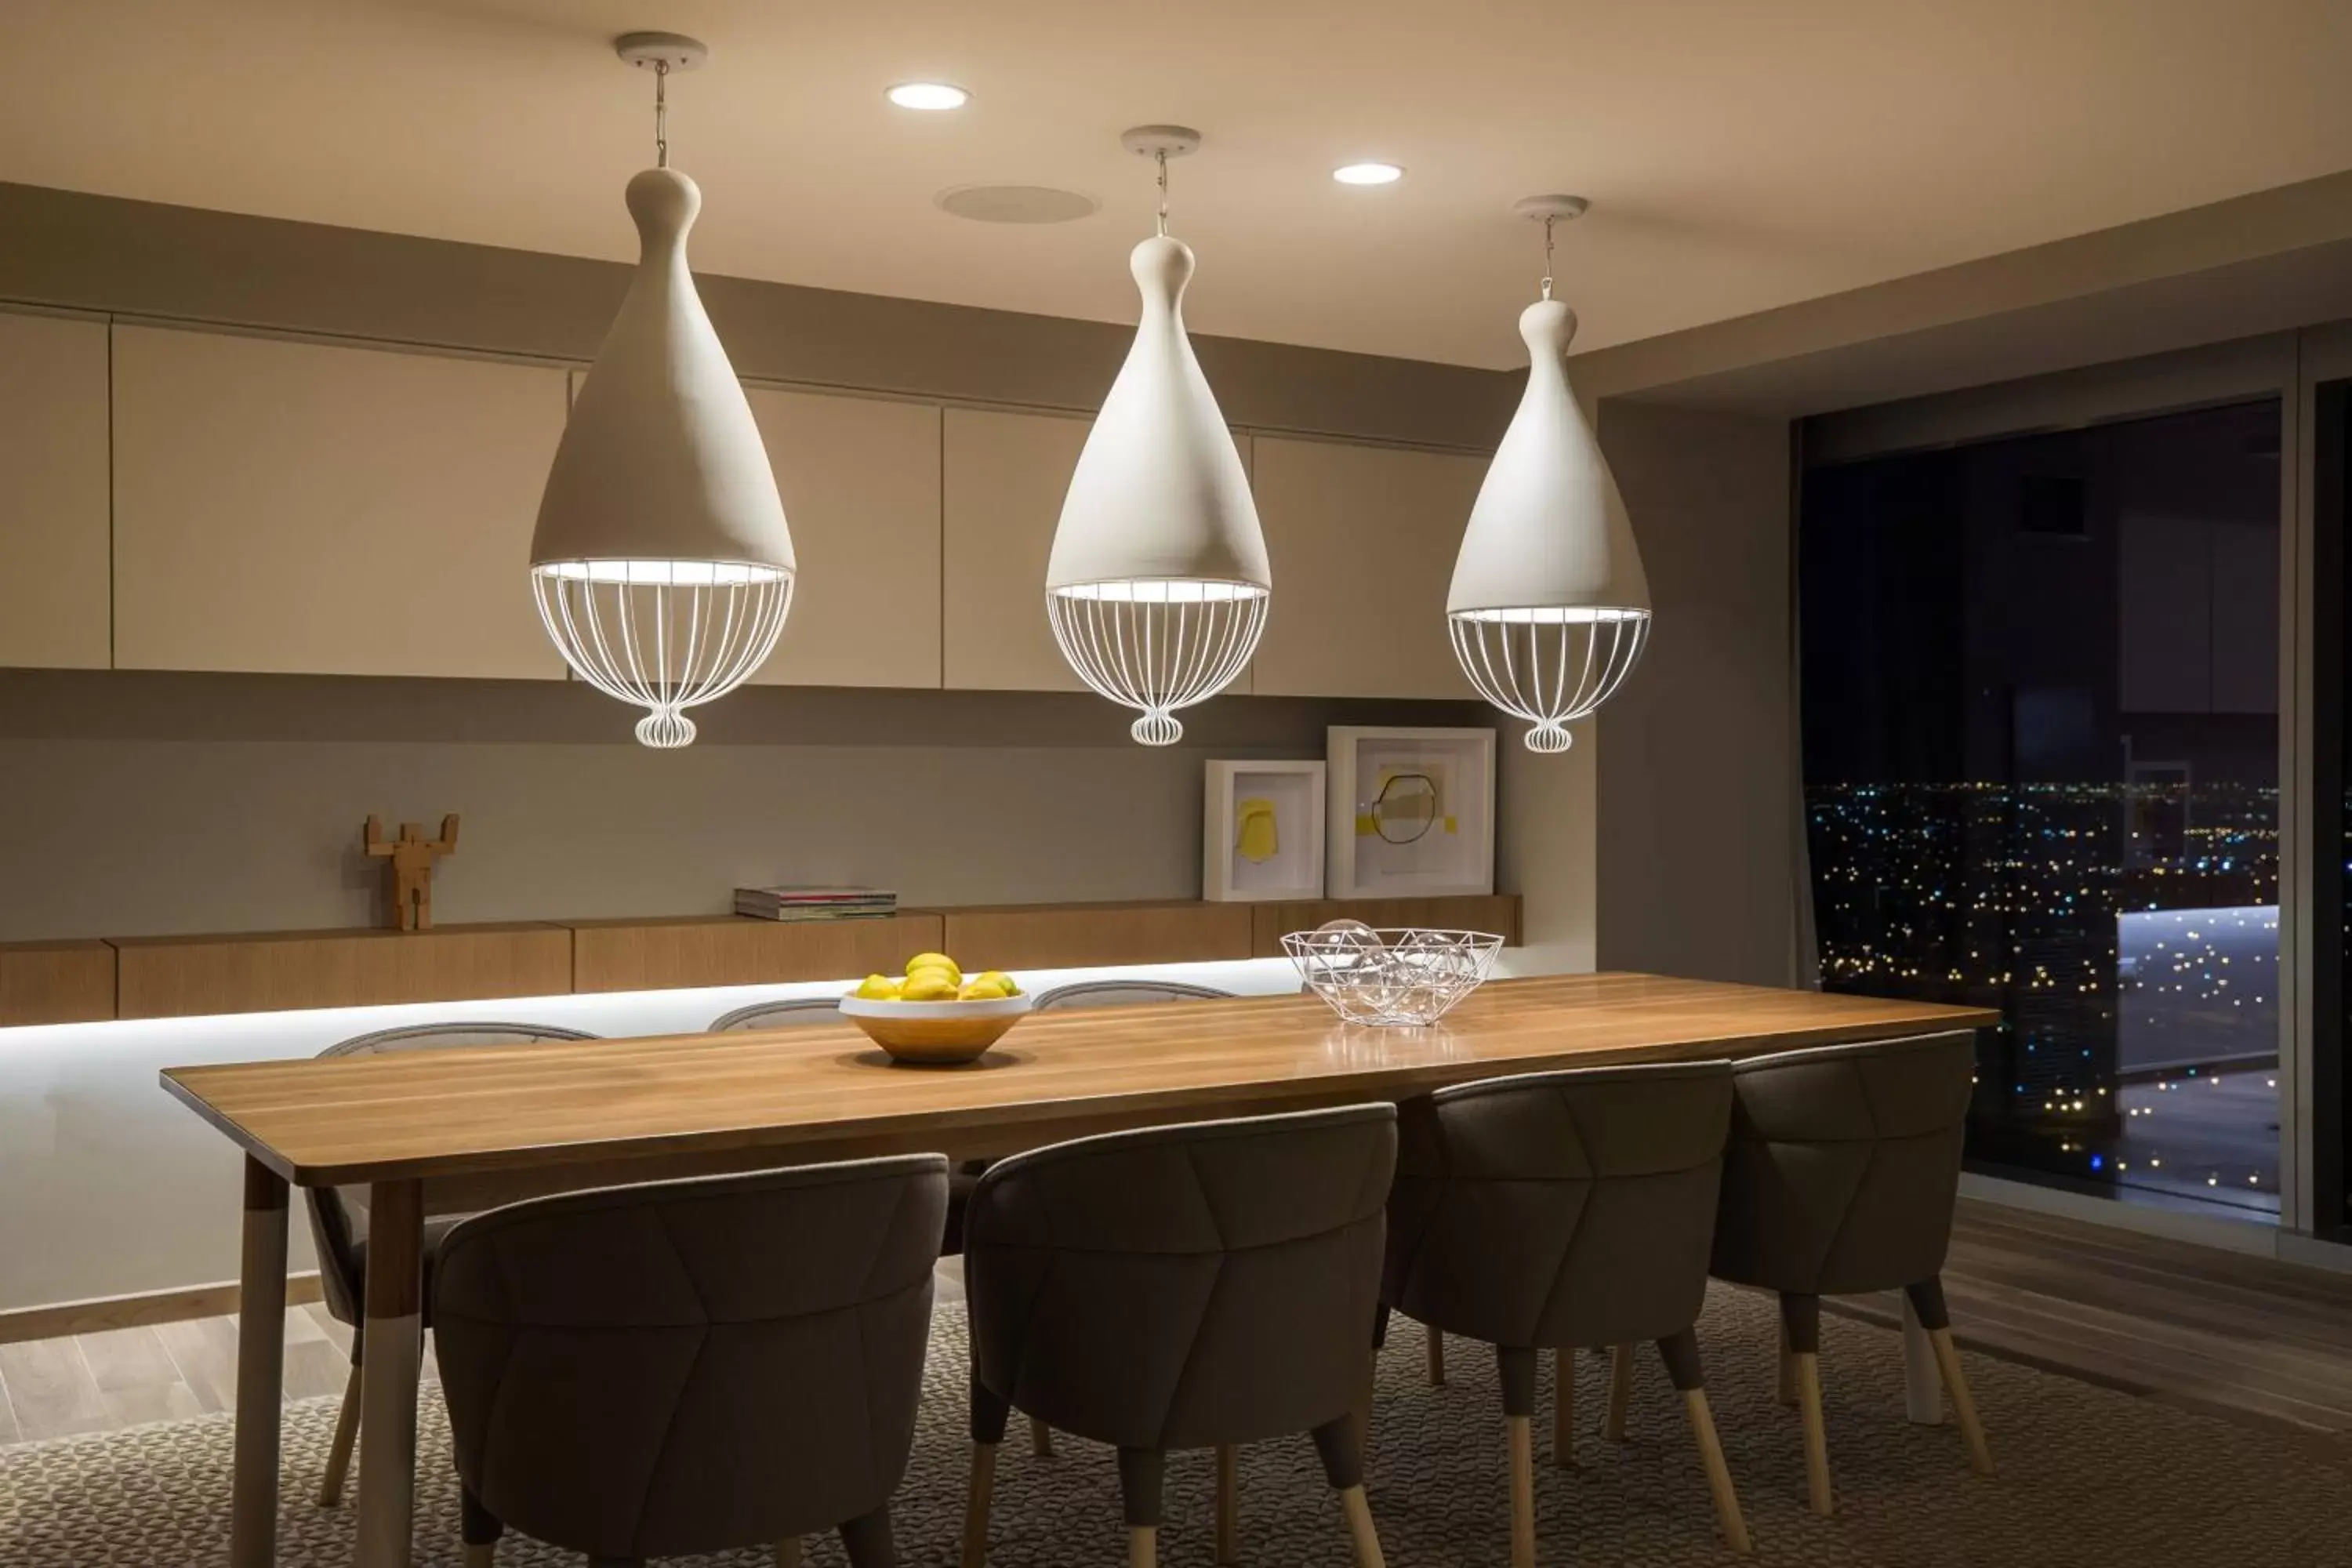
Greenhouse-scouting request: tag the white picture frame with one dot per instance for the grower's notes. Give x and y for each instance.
(1439, 780)
(1262, 834)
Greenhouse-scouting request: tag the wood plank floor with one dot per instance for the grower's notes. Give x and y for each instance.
(2243, 1337)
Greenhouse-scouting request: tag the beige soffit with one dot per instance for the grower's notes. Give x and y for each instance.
(1740, 156)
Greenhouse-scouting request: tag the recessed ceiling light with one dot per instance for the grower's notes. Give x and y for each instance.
(931, 95)
(1367, 174)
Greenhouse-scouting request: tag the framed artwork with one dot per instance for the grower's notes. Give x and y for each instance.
(1411, 812)
(1262, 832)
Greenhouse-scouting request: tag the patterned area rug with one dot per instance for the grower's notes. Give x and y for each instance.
(2089, 1477)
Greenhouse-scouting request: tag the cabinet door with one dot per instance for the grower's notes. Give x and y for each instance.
(54, 604)
(290, 506)
(860, 479)
(1005, 476)
(1362, 541)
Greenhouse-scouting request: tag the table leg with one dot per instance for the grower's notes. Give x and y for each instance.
(388, 1373)
(260, 1371)
(1923, 1389)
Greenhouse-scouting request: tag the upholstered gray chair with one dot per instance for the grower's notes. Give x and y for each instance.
(777, 1014)
(1559, 1210)
(1114, 993)
(1188, 1287)
(1121, 993)
(692, 1366)
(339, 1219)
(1839, 1178)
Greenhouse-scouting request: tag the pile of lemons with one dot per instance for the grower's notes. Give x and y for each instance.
(934, 977)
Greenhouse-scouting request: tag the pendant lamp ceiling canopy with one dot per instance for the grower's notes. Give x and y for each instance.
(1157, 585)
(1548, 608)
(662, 562)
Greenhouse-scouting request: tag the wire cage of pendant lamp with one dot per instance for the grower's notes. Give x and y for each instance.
(1158, 644)
(1549, 665)
(664, 636)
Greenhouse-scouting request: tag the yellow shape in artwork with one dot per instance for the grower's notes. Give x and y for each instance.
(1253, 835)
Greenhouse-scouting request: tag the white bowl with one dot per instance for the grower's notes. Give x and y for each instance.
(935, 1031)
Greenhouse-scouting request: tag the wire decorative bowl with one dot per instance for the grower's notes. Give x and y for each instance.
(1397, 975)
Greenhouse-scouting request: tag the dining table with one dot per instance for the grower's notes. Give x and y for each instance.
(457, 1131)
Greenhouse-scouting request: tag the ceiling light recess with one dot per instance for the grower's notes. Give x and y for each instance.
(932, 97)
(661, 562)
(1157, 586)
(1550, 608)
(1369, 173)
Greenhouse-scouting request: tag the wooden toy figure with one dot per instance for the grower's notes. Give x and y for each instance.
(411, 855)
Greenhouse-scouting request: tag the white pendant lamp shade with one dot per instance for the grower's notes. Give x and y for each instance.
(662, 564)
(1157, 585)
(1548, 607)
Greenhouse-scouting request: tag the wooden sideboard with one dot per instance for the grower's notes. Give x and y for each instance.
(90, 980)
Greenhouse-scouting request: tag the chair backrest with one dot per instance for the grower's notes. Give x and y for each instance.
(1844, 1164)
(692, 1366)
(1183, 1286)
(338, 1217)
(1560, 1208)
(777, 1014)
(1125, 993)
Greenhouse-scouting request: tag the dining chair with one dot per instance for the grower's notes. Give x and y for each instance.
(1118, 992)
(1840, 1179)
(1557, 1210)
(692, 1366)
(339, 1218)
(1123, 993)
(781, 1015)
(1188, 1287)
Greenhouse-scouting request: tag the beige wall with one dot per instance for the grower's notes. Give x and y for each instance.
(1696, 771)
(147, 804)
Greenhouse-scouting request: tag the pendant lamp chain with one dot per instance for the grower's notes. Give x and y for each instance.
(1162, 156)
(1548, 220)
(661, 120)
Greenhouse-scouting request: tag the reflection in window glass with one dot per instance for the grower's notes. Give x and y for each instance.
(2040, 754)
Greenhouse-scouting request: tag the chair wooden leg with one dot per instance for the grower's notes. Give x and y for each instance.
(1784, 1389)
(1523, 1490)
(788, 1552)
(867, 1541)
(1041, 1438)
(1366, 1539)
(481, 1554)
(1621, 1392)
(1947, 1362)
(1363, 1412)
(1817, 1444)
(1563, 1408)
(1718, 1474)
(975, 1506)
(1436, 1358)
(1229, 1504)
(339, 1448)
(1142, 1545)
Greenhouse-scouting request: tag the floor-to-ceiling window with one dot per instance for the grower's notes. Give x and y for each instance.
(2041, 706)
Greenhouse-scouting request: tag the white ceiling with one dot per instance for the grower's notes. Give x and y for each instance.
(1739, 153)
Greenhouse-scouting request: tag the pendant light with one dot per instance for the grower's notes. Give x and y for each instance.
(1549, 609)
(1157, 586)
(661, 562)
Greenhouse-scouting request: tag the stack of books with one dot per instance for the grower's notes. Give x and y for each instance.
(796, 903)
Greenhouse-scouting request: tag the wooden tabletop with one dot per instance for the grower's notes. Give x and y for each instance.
(438, 1114)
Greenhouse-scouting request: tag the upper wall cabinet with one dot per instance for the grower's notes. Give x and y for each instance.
(860, 479)
(1005, 476)
(290, 506)
(53, 493)
(1362, 541)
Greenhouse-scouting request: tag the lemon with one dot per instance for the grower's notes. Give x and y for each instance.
(1001, 981)
(934, 961)
(982, 989)
(934, 971)
(877, 988)
(929, 987)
